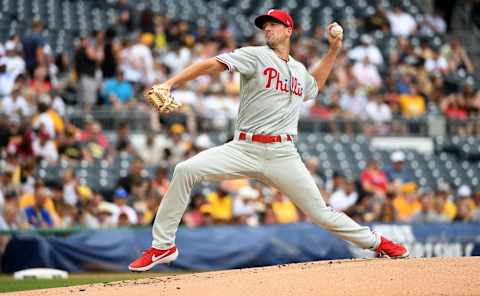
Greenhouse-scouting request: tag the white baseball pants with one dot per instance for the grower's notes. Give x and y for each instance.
(276, 164)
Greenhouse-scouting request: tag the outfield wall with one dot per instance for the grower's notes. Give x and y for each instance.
(224, 247)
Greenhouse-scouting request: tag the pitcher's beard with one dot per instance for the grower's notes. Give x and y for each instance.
(271, 44)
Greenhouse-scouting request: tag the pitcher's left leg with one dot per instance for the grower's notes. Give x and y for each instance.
(290, 176)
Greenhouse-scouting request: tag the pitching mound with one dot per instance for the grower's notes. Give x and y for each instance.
(432, 276)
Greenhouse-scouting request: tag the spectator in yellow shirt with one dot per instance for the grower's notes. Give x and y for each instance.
(221, 205)
(283, 209)
(28, 200)
(444, 206)
(413, 104)
(407, 203)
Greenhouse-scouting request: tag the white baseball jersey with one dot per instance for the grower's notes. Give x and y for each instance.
(271, 90)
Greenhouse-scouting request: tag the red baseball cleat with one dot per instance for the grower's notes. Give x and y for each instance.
(152, 257)
(389, 249)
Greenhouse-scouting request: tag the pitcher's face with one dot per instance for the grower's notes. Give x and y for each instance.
(276, 33)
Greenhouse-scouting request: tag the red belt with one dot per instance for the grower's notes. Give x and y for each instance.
(264, 138)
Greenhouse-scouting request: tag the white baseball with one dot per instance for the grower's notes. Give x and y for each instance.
(336, 30)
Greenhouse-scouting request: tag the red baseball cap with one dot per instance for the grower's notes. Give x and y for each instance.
(276, 14)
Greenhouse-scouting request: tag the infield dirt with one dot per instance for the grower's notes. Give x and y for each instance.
(418, 276)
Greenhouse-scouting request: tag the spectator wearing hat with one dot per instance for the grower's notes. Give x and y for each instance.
(464, 191)
(104, 214)
(97, 213)
(245, 206)
(120, 199)
(465, 212)
(15, 64)
(397, 172)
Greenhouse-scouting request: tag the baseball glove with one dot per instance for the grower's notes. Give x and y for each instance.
(161, 99)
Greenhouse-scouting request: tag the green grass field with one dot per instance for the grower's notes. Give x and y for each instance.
(9, 284)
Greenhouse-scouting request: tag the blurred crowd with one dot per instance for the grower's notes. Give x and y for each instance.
(379, 195)
(394, 71)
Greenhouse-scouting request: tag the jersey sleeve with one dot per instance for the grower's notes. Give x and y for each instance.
(311, 88)
(242, 60)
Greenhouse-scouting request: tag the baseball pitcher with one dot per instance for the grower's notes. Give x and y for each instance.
(272, 88)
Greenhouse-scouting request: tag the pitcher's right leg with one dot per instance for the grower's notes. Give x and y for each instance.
(230, 161)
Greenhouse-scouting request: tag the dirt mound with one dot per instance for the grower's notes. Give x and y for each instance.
(429, 276)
